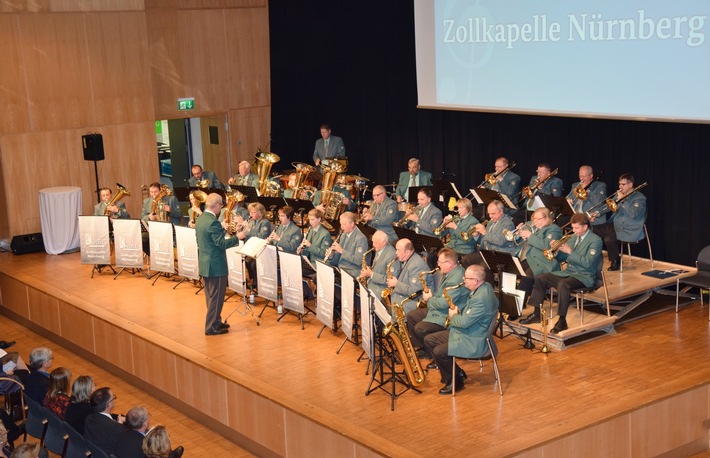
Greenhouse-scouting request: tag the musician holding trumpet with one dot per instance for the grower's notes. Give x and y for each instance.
(457, 228)
(583, 252)
(347, 252)
(426, 217)
(382, 213)
(256, 226)
(626, 223)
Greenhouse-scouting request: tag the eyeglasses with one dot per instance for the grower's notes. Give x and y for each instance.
(378, 194)
(470, 278)
(113, 398)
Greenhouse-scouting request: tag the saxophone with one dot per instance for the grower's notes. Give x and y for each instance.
(450, 301)
(329, 250)
(425, 288)
(400, 339)
(388, 269)
(363, 280)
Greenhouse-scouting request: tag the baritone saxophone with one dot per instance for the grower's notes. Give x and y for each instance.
(399, 337)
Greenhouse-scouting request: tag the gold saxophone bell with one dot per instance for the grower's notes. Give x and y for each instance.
(399, 336)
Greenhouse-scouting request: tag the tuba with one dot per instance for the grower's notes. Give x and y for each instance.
(399, 337)
(121, 192)
(200, 198)
(331, 200)
(450, 301)
(552, 251)
(158, 206)
(263, 163)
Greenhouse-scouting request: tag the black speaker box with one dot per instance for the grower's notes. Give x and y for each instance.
(27, 243)
(93, 147)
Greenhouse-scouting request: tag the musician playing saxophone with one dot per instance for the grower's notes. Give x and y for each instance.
(382, 213)
(426, 216)
(377, 272)
(583, 253)
(287, 236)
(455, 228)
(408, 280)
(626, 224)
(466, 334)
(424, 321)
(117, 210)
(171, 206)
(353, 243)
(317, 239)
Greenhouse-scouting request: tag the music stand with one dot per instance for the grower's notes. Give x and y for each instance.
(368, 231)
(484, 196)
(445, 189)
(413, 191)
(272, 204)
(301, 207)
(421, 242)
(499, 262)
(250, 194)
(247, 306)
(559, 206)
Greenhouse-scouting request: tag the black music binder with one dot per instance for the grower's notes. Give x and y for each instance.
(421, 242)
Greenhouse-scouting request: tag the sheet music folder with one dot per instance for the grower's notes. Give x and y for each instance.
(506, 261)
(253, 247)
(485, 196)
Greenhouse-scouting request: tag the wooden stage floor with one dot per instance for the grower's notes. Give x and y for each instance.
(641, 391)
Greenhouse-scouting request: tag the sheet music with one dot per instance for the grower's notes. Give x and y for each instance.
(507, 201)
(519, 266)
(453, 186)
(537, 203)
(253, 247)
(476, 196)
(308, 261)
(508, 284)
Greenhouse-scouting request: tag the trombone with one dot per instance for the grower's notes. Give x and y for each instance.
(613, 202)
(530, 191)
(491, 178)
(580, 192)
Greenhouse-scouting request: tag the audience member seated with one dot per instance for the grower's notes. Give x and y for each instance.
(102, 427)
(57, 398)
(37, 382)
(130, 444)
(157, 444)
(29, 450)
(4, 443)
(80, 403)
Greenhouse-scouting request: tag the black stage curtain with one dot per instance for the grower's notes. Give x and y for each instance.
(352, 64)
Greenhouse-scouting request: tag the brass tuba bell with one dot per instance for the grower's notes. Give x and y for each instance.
(121, 192)
(263, 163)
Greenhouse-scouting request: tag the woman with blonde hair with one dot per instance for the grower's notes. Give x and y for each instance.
(80, 405)
(157, 444)
(57, 398)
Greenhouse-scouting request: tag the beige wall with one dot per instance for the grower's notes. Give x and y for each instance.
(115, 66)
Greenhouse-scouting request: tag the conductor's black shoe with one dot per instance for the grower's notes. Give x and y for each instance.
(4, 344)
(215, 332)
(560, 326)
(615, 265)
(223, 326)
(177, 453)
(530, 319)
(432, 366)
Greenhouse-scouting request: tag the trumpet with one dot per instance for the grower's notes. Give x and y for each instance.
(329, 250)
(303, 242)
(244, 226)
(450, 301)
(465, 235)
(442, 227)
(512, 235)
(555, 246)
(402, 222)
(529, 191)
(492, 178)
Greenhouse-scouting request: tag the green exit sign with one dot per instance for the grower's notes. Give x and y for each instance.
(186, 104)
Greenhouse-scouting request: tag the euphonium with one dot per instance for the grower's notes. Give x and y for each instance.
(450, 301)
(442, 227)
(158, 206)
(425, 288)
(550, 253)
(401, 340)
(121, 192)
(363, 280)
(329, 250)
(613, 202)
(465, 235)
(200, 198)
(203, 184)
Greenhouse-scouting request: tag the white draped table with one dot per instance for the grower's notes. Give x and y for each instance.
(59, 210)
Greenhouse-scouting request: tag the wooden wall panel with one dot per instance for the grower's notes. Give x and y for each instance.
(54, 54)
(256, 417)
(166, 62)
(248, 50)
(155, 366)
(119, 66)
(96, 5)
(14, 296)
(200, 388)
(216, 157)
(249, 129)
(24, 6)
(44, 310)
(77, 326)
(114, 344)
(14, 116)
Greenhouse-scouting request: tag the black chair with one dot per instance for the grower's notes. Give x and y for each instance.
(96, 451)
(491, 354)
(14, 393)
(57, 438)
(77, 444)
(36, 424)
(700, 280)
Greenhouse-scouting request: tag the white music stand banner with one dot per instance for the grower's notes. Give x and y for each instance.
(162, 254)
(127, 243)
(347, 303)
(236, 278)
(186, 241)
(325, 280)
(292, 282)
(266, 273)
(366, 322)
(94, 241)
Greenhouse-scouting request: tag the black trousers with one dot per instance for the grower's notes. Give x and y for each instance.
(564, 286)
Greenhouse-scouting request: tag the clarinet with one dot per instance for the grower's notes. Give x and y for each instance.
(329, 251)
(303, 243)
